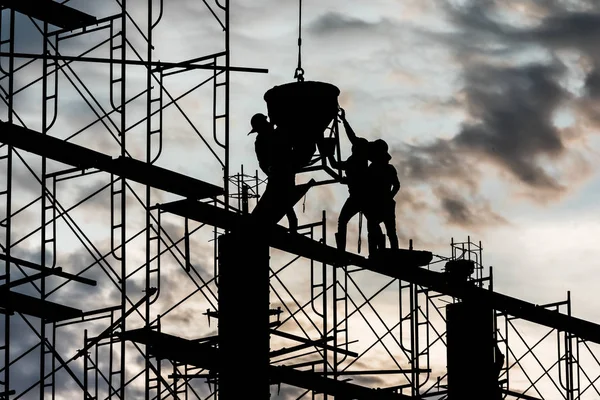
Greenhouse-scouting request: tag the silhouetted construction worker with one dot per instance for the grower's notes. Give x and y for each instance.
(273, 151)
(380, 206)
(355, 167)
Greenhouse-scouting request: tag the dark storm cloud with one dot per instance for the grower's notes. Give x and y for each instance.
(334, 22)
(560, 28)
(456, 210)
(566, 29)
(452, 174)
(511, 103)
(592, 84)
(466, 211)
(438, 160)
(513, 109)
(580, 31)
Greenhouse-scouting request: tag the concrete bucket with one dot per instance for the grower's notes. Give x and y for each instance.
(303, 110)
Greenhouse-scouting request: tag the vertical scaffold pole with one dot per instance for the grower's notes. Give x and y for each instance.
(43, 346)
(147, 356)
(6, 191)
(122, 367)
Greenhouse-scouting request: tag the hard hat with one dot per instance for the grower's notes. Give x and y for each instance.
(380, 145)
(379, 150)
(256, 121)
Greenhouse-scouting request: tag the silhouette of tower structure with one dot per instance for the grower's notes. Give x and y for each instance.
(124, 277)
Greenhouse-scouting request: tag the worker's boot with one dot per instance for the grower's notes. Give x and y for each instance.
(393, 238)
(293, 224)
(372, 239)
(381, 241)
(340, 240)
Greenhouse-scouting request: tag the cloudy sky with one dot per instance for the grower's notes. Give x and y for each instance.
(490, 108)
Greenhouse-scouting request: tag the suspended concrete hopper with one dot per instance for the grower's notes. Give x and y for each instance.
(303, 110)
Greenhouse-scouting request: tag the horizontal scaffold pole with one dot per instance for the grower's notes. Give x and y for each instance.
(154, 64)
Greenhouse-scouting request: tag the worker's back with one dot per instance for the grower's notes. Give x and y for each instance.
(381, 177)
(273, 151)
(356, 175)
(356, 167)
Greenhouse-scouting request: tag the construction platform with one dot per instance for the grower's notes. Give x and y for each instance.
(403, 264)
(11, 301)
(51, 312)
(204, 355)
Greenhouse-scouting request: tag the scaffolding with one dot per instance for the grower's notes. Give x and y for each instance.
(123, 277)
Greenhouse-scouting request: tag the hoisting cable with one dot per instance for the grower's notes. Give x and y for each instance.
(299, 73)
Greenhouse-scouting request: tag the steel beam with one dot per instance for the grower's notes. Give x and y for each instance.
(126, 167)
(51, 12)
(394, 264)
(50, 312)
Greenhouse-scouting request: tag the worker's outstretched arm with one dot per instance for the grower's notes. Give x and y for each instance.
(335, 163)
(349, 131)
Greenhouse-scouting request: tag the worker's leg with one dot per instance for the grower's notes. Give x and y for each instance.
(275, 201)
(266, 202)
(292, 220)
(349, 210)
(288, 200)
(390, 224)
(375, 214)
(374, 235)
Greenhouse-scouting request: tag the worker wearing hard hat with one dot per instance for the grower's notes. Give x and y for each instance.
(382, 185)
(355, 168)
(273, 152)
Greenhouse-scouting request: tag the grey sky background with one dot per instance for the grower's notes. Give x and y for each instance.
(490, 108)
